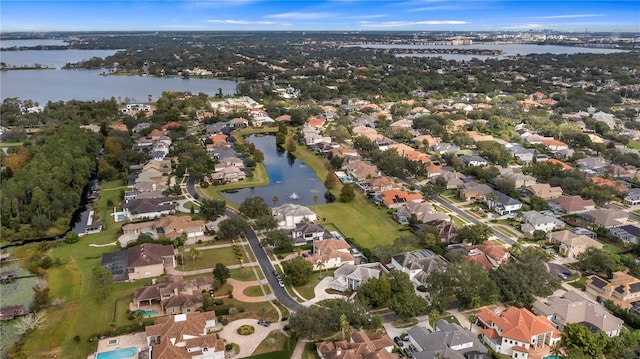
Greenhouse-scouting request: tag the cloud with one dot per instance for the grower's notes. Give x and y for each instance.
(241, 22)
(411, 23)
(572, 16)
(301, 15)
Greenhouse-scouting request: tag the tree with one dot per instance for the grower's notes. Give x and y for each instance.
(232, 227)
(278, 239)
(474, 234)
(291, 145)
(297, 271)
(71, 237)
(345, 328)
(331, 181)
(103, 279)
(578, 336)
(221, 273)
(30, 322)
(275, 200)
(211, 209)
(375, 292)
(408, 304)
(42, 295)
(348, 193)
(265, 222)
(595, 260)
(233, 311)
(195, 254)
(254, 207)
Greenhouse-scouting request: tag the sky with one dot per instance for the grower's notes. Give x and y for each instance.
(298, 15)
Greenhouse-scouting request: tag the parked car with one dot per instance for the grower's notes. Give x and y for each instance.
(281, 283)
(562, 276)
(264, 323)
(398, 341)
(567, 273)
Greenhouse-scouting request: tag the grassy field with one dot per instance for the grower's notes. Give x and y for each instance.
(280, 343)
(254, 291)
(307, 290)
(368, 224)
(208, 259)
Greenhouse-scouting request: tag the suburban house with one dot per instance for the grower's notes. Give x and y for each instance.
(501, 203)
(145, 208)
(307, 233)
(517, 179)
(474, 191)
(379, 184)
(351, 276)
(471, 160)
(571, 245)
(545, 191)
(360, 171)
(449, 340)
(605, 182)
(418, 264)
(396, 198)
(623, 288)
(228, 174)
(169, 226)
(633, 197)
(454, 179)
(517, 332)
(185, 336)
(628, 233)
(521, 154)
(536, 221)
(175, 295)
(358, 346)
(593, 164)
(423, 212)
(289, 214)
(142, 261)
(488, 254)
(572, 307)
(572, 204)
(606, 217)
(331, 253)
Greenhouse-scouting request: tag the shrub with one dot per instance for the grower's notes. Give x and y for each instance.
(224, 321)
(421, 288)
(246, 330)
(228, 347)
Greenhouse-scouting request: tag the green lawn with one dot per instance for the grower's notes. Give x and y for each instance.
(244, 274)
(368, 224)
(457, 220)
(307, 290)
(281, 343)
(254, 291)
(635, 145)
(209, 258)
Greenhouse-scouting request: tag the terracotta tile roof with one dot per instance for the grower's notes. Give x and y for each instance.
(394, 196)
(604, 182)
(518, 323)
(558, 162)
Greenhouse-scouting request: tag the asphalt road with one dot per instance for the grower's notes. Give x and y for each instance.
(464, 214)
(267, 268)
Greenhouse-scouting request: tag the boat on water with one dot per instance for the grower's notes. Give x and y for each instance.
(294, 196)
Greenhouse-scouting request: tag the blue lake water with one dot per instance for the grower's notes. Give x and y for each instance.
(287, 175)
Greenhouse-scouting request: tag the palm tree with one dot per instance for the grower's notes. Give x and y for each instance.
(321, 266)
(195, 254)
(275, 200)
(315, 199)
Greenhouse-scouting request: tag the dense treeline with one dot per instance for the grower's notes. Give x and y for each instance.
(41, 196)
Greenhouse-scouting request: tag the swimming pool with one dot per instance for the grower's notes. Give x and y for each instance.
(552, 357)
(123, 353)
(147, 313)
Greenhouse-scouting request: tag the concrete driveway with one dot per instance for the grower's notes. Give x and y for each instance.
(248, 343)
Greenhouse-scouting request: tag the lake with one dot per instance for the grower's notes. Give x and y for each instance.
(507, 50)
(51, 58)
(87, 85)
(287, 175)
(5, 44)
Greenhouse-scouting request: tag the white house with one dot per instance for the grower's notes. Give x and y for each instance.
(289, 214)
(536, 221)
(501, 203)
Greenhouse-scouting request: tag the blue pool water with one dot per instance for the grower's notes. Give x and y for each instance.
(118, 353)
(147, 313)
